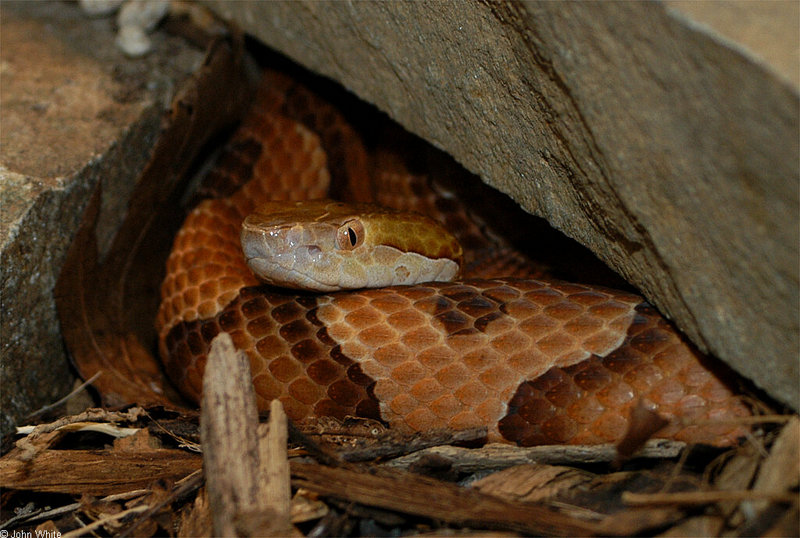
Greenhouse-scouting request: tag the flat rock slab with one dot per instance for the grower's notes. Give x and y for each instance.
(75, 112)
(671, 152)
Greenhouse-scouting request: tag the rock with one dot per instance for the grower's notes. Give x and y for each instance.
(668, 150)
(75, 113)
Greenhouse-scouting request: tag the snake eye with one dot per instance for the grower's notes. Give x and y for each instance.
(350, 235)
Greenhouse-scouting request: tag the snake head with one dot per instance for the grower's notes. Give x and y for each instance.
(321, 245)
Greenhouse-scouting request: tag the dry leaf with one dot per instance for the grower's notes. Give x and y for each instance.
(107, 306)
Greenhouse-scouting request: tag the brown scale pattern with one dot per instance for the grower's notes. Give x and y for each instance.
(588, 402)
(205, 269)
(291, 356)
(451, 355)
(536, 361)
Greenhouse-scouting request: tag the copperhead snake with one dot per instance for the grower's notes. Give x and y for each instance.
(535, 361)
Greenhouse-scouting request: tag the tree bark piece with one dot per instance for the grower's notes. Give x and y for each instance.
(416, 494)
(274, 469)
(228, 433)
(248, 486)
(671, 154)
(422, 496)
(495, 456)
(95, 472)
(780, 471)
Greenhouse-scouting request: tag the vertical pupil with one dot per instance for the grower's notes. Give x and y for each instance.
(352, 235)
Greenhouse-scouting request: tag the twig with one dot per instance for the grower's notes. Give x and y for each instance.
(108, 519)
(48, 514)
(76, 390)
(90, 415)
(181, 487)
(28, 448)
(99, 427)
(704, 497)
(24, 514)
(498, 456)
(401, 491)
(393, 445)
(182, 442)
(740, 421)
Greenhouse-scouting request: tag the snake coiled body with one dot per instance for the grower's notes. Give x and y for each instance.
(535, 361)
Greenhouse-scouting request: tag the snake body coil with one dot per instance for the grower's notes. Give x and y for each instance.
(535, 361)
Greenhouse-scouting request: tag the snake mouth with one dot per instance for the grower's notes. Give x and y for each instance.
(287, 266)
(289, 278)
(318, 257)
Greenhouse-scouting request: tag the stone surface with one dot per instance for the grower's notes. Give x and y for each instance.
(669, 152)
(765, 31)
(75, 112)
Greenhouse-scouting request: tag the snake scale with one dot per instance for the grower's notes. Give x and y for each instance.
(536, 361)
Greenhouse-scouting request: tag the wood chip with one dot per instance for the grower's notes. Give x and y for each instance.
(307, 507)
(274, 469)
(196, 520)
(494, 457)
(414, 494)
(96, 472)
(532, 482)
(247, 481)
(780, 471)
(393, 444)
(228, 433)
(696, 498)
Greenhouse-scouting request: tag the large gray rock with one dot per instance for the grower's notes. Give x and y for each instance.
(670, 152)
(75, 112)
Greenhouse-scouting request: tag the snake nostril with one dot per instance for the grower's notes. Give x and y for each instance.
(402, 272)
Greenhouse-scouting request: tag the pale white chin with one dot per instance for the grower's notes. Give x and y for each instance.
(277, 275)
(304, 268)
(309, 268)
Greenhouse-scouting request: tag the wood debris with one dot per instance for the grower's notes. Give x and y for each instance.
(247, 474)
(246, 483)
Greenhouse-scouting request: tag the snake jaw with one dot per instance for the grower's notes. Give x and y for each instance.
(280, 257)
(328, 248)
